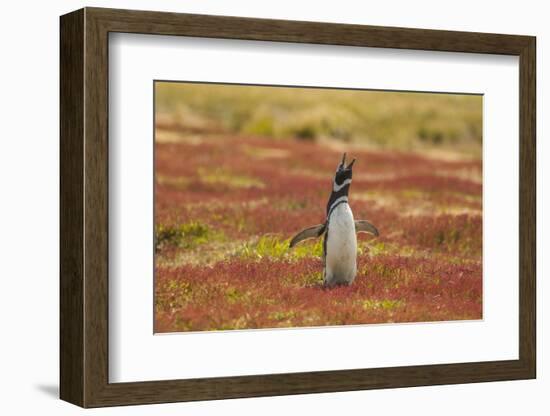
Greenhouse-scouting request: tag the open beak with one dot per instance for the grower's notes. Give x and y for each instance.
(343, 162)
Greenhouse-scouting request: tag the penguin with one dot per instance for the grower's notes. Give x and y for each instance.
(338, 231)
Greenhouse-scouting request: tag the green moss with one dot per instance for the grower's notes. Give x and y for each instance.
(234, 295)
(384, 304)
(187, 235)
(282, 315)
(377, 248)
(274, 247)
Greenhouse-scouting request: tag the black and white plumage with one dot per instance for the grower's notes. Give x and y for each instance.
(339, 231)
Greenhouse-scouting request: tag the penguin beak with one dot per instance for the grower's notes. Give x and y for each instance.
(342, 163)
(351, 164)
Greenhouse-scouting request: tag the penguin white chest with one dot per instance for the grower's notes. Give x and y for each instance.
(341, 247)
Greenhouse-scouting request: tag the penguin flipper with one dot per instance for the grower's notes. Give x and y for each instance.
(366, 227)
(311, 232)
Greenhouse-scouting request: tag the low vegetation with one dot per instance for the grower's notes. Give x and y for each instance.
(222, 235)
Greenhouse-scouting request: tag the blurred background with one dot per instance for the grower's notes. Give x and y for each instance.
(395, 120)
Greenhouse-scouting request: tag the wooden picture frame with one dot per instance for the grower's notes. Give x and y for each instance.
(84, 207)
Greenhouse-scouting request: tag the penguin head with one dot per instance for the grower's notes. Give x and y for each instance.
(343, 172)
(341, 184)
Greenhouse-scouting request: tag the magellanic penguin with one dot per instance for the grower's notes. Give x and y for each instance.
(339, 230)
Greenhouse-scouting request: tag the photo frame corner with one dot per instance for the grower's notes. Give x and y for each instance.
(84, 217)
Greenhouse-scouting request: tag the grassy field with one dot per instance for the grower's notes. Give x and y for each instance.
(402, 121)
(229, 197)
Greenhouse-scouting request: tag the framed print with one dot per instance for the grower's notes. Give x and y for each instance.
(255, 207)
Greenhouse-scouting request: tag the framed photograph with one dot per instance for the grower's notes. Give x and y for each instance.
(254, 207)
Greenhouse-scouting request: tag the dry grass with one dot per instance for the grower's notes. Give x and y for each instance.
(395, 120)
